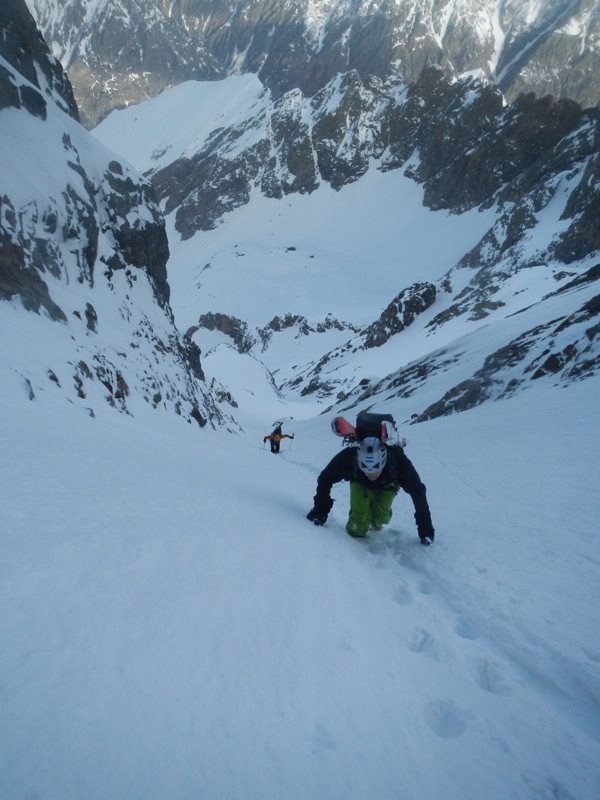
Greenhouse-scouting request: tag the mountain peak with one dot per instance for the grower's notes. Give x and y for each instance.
(120, 53)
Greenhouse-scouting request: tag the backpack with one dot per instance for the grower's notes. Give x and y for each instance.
(382, 426)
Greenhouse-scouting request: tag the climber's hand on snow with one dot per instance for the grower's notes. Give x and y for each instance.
(317, 516)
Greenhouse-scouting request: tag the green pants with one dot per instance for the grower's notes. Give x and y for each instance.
(368, 507)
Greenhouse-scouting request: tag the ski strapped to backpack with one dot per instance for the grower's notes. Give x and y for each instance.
(382, 426)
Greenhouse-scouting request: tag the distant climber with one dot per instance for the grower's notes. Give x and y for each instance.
(276, 437)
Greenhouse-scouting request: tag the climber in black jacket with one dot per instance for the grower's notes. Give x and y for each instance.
(376, 473)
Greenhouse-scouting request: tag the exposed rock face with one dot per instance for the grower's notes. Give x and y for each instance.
(553, 60)
(39, 239)
(495, 150)
(467, 148)
(561, 349)
(121, 52)
(457, 138)
(24, 49)
(566, 347)
(400, 313)
(320, 380)
(83, 246)
(17, 276)
(473, 151)
(245, 340)
(301, 327)
(140, 246)
(296, 144)
(236, 329)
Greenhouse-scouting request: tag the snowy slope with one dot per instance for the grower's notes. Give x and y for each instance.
(121, 51)
(280, 270)
(173, 627)
(83, 268)
(306, 254)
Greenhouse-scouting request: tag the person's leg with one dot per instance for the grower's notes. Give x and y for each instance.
(359, 518)
(382, 508)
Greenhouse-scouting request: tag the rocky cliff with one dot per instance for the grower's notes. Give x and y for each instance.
(121, 52)
(532, 164)
(83, 253)
(473, 150)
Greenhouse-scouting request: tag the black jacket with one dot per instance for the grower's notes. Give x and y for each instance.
(398, 473)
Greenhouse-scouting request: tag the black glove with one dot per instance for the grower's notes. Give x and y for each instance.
(321, 508)
(425, 527)
(264, 440)
(292, 435)
(317, 516)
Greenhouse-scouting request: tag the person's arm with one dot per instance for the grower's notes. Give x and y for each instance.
(414, 486)
(338, 469)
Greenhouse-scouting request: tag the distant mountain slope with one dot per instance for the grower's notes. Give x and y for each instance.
(530, 171)
(456, 138)
(120, 52)
(84, 296)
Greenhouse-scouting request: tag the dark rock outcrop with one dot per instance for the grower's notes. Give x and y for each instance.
(83, 245)
(121, 53)
(473, 151)
(25, 49)
(400, 313)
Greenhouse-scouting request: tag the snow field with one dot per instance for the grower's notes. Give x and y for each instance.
(171, 615)
(172, 625)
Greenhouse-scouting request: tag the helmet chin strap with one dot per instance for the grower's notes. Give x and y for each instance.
(373, 476)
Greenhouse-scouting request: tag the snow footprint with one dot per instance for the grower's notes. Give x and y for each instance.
(547, 787)
(466, 629)
(422, 642)
(322, 739)
(378, 553)
(490, 679)
(376, 546)
(388, 545)
(402, 594)
(446, 720)
(425, 586)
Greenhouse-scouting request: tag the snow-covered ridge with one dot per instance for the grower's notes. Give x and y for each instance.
(547, 47)
(84, 252)
(518, 178)
(172, 626)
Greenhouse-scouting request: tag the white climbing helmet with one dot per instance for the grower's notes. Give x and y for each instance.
(372, 455)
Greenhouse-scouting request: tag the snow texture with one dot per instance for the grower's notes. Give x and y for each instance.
(174, 627)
